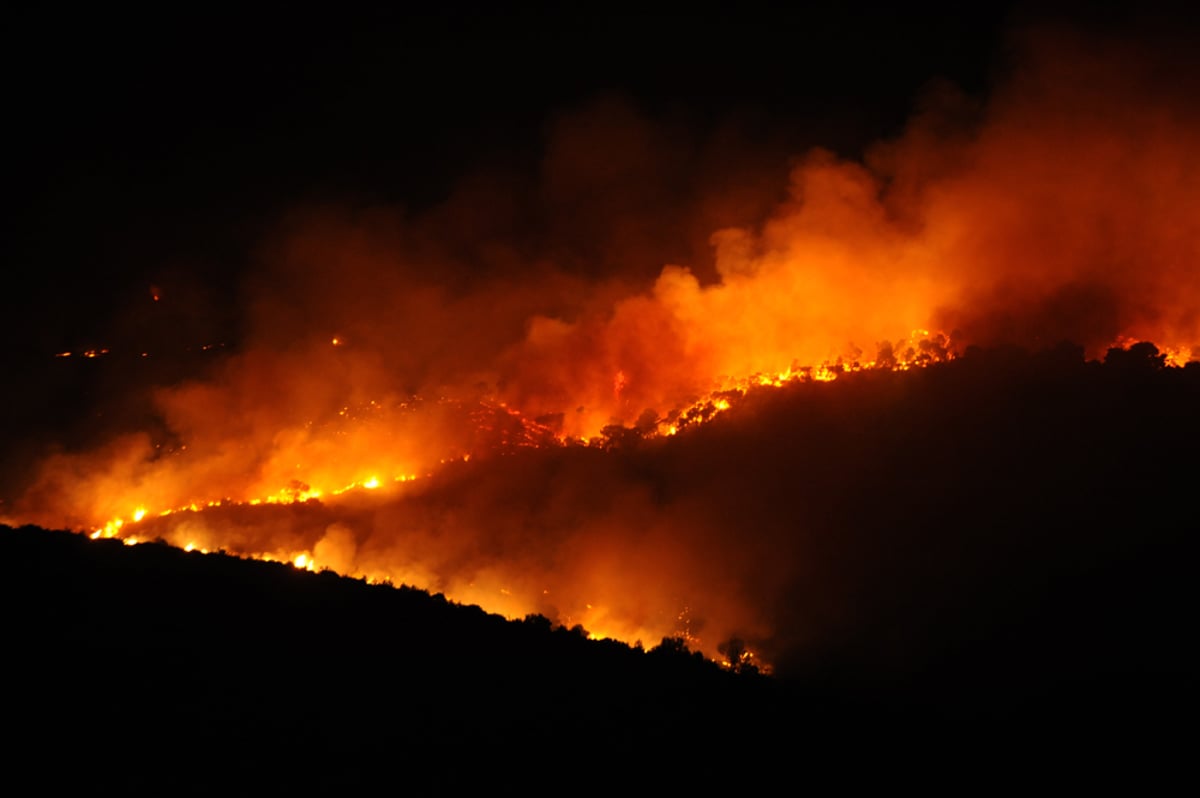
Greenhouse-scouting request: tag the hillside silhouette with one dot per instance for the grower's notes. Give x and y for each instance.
(216, 670)
(1002, 561)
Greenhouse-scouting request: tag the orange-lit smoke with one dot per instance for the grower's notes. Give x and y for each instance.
(645, 268)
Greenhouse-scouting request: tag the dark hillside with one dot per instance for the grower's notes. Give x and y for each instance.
(1004, 556)
(212, 669)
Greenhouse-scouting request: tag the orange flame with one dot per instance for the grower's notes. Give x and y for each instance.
(1052, 214)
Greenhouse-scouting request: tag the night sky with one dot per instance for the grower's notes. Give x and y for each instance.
(156, 147)
(144, 146)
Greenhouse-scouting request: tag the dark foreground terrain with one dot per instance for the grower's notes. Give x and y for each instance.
(153, 666)
(1061, 637)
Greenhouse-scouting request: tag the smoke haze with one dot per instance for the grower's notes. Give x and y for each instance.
(461, 354)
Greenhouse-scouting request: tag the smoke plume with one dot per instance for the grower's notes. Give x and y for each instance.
(458, 358)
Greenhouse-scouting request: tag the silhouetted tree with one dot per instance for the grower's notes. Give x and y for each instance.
(737, 655)
(615, 436)
(671, 647)
(538, 621)
(1141, 358)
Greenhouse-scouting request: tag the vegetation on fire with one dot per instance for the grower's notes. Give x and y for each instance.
(1018, 571)
(692, 328)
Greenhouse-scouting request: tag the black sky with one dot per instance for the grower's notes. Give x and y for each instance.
(145, 142)
(159, 145)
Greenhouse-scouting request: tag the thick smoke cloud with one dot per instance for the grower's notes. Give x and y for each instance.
(644, 266)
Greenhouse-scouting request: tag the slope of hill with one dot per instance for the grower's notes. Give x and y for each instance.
(1011, 574)
(207, 669)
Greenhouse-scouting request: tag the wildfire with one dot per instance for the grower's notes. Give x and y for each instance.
(1055, 214)
(499, 429)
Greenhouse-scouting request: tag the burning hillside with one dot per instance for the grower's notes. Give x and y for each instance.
(510, 398)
